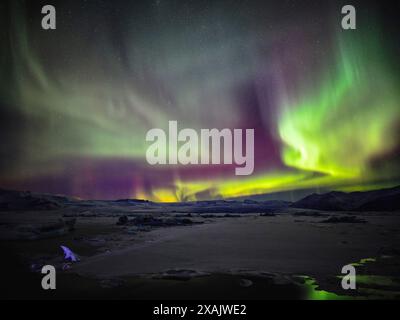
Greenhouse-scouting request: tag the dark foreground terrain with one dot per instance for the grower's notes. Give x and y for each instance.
(134, 249)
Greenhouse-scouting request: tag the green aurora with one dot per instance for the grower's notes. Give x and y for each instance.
(77, 107)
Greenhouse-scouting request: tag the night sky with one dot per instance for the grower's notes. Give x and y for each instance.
(76, 102)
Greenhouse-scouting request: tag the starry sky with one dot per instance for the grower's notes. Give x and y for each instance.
(76, 102)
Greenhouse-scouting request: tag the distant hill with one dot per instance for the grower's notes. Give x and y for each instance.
(290, 195)
(26, 201)
(376, 200)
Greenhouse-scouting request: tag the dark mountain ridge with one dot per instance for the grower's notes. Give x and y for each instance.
(376, 200)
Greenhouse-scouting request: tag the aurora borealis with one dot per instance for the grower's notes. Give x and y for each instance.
(76, 102)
